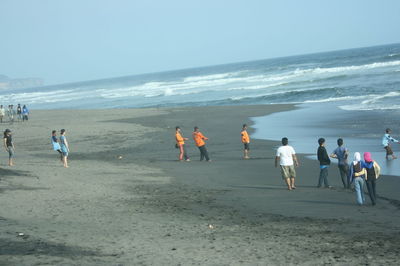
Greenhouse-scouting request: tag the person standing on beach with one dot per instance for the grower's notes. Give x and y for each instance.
(386, 140)
(2, 113)
(25, 113)
(341, 153)
(246, 142)
(180, 144)
(56, 145)
(287, 159)
(64, 148)
(373, 171)
(19, 113)
(199, 139)
(324, 163)
(10, 113)
(9, 145)
(357, 175)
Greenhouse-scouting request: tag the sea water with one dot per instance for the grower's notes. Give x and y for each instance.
(368, 77)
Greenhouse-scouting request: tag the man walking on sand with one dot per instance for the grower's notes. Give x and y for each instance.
(246, 142)
(341, 153)
(386, 140)
(287, 160)
(199, 140)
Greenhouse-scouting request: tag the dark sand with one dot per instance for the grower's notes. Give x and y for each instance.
(149, 209)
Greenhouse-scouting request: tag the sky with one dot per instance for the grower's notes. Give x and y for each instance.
(66, 41)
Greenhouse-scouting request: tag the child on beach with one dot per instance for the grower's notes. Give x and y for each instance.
(287, 160)
(180, 144)
(64, 148)
(341, 153)
(386, 140)
(357, 175)
(9, 145)
(324, 163)
(199, 139)
(245, 141)
(373, 171)
(56, 145)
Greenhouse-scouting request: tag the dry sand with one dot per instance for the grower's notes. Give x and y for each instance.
(148, 209)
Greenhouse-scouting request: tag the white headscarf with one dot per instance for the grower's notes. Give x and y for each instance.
(357, 158)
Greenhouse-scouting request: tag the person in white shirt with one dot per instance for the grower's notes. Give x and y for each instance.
(287, 160)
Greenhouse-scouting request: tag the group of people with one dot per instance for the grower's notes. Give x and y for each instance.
(21, 113)
(200, 139)
(356, 175)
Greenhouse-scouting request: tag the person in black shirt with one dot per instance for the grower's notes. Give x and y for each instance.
(324, 163)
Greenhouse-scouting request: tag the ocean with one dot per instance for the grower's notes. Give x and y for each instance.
(354, 93)
(370, 76)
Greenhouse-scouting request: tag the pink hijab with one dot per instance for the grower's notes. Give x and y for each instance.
(367, 157)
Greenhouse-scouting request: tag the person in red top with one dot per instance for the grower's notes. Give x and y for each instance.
(180, 144)
(199, 140)
(245, 141)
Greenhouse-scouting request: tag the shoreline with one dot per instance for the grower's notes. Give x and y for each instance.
(148, 209)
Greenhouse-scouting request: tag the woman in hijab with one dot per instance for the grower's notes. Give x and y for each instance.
(357, 175)
(373, 171)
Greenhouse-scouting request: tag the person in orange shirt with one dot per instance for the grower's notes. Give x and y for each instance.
(199, 140)
(245, 141)
(180, 144)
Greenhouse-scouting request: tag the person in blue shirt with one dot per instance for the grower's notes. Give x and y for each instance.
(341, 153)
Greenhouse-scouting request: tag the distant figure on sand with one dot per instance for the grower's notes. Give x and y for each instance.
(180, 144)
(246, 142)
(56, 145)
(2, 113)
(19, 112)
(287, 160)
(341, 153)
(373, 171)
(357, 175)
(64, 148)
(9, 145)
(386, 140)
(25, 113)
(324, 163)
(199, 139)
(10, 113)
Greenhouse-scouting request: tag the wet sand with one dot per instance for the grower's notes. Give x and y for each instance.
(146, 208)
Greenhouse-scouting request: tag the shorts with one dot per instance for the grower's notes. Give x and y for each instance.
(288, 171)
(10, 152)
(388, 150)
(246, 146)
(64, 151)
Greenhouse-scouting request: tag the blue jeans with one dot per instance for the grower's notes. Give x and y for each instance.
(359, 187)
(323, 177)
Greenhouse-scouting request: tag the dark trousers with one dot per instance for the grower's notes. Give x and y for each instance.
(344, 172)
(323, 177)
(371, 186)
(203, 153)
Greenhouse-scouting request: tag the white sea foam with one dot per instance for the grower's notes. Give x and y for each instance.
(375, 102)
(45, 97)
(232, 81)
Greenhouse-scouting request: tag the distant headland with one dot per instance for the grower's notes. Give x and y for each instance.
(19, 83)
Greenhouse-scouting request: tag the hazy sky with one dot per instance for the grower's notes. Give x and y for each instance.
(74, 40)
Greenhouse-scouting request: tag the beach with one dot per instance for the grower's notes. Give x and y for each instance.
(127, 200)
